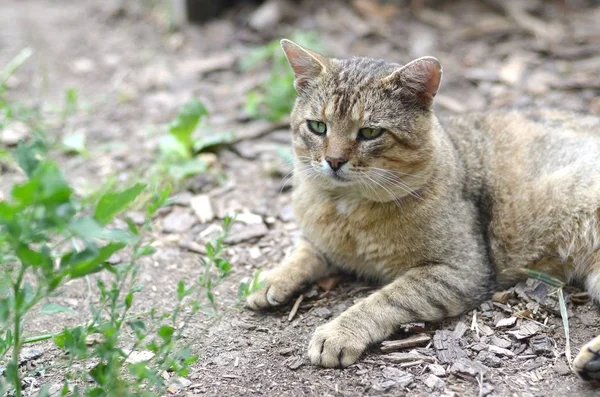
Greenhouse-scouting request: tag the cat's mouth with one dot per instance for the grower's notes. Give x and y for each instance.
(336, 177)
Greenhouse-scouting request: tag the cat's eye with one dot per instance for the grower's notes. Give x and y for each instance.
(317, 127)
(369, 133)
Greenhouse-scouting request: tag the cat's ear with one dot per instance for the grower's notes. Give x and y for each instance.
(419, 79)
(306, 64)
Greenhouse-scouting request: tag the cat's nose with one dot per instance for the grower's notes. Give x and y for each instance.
(335, 163)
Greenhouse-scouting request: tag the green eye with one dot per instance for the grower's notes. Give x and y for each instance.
(317, 127)
(369, 133)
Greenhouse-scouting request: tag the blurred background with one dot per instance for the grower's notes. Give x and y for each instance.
(109, 84)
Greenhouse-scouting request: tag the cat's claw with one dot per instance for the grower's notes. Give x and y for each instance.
(587, 362)
(334, 346)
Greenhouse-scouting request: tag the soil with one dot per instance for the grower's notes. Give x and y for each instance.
(134, 74)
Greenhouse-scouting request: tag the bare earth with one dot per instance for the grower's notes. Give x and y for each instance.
(135, 75)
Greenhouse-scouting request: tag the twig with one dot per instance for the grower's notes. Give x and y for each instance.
(295, 308)
(565, 320)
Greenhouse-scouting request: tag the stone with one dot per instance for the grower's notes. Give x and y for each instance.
(30, 353)
(13, 133)
(322, 312)
(202, 207)
(177, 384)
(436, 369)
(138, 356)
(434, 383)
(178, 221)
(248, 218)
(248, 233)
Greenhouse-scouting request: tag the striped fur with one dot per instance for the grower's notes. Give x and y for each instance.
(440, 212)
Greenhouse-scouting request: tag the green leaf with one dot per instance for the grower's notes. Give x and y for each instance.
(53, 308)
(172, 149)
(180, 290)
(70, 105)
(81, 265)
(88, 228)
(30, 257)
(113, 203)
(166, 332)
(4, 310)
(74, 143)
(28, 156)
(128, 300)
(15, 64)
(546, 278)
(205, 142)
(183, 170)
(186, 122)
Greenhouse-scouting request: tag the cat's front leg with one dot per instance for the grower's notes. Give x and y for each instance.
(425, 293)
(305, 265)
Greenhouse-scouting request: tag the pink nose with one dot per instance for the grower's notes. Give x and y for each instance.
(335, 163)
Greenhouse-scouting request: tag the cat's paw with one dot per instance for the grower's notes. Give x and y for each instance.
(275, 291)
(587, 362)
(334, 345)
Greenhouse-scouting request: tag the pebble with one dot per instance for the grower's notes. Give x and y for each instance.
(178, 384)
(202, 208)
(13, 133)
(434, 383)
(436, 369)
(322, 312)
(178, 221)
(30, 353)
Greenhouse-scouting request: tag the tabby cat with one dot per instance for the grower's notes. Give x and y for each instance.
(440, 211)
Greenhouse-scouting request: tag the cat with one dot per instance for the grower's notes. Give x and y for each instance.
(442, 212)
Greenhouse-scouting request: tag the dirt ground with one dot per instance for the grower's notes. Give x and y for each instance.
(135, 75)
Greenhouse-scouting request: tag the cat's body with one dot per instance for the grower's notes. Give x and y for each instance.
(513, 187)
(439, 212)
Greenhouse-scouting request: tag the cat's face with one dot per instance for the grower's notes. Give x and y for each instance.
(363, 125)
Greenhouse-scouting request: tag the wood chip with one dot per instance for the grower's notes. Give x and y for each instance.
(503, 296)
(464, 366)
(542, 345)
(485, 329)
(295, 308)
(526, 330)
(412, 341)
(399, 358)
(447, 347)
(460, 330)
(506, 322)
(500, 351)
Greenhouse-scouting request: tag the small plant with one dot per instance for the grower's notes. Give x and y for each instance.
(49, 237)
(180, 147)
(274, 98)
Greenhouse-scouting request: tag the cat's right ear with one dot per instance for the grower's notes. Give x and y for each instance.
(306, 64)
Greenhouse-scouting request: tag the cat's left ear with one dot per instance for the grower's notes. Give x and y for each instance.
(419, 80)
(306, 64)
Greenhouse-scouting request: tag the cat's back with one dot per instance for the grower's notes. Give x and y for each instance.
(537, 170)
(527, 145)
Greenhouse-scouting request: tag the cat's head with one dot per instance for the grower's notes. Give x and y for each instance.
(363, 124)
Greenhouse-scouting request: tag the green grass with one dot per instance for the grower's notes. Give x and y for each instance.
(50, 236)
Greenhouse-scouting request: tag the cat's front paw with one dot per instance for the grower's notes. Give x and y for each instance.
(275, 291)
(334, 345)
